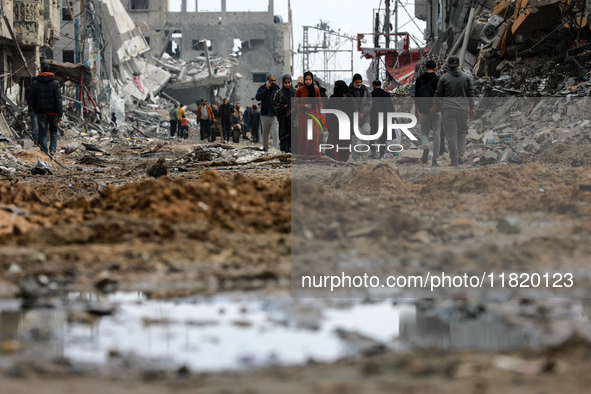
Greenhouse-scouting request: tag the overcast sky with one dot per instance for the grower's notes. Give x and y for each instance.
(350, 16)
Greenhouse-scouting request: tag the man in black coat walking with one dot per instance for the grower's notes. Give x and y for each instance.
(226, 111)
(425, 87)
(382, 104)
(265, 95)
(255, 123)
(46, 99)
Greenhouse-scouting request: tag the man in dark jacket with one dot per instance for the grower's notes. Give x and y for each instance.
(226, 111)
(255, 122)
(32, 114)
(265, 95)
(362, 103)
(425, 87)
(46, 98)
(455, 94)
(246, 119)
(381, 104)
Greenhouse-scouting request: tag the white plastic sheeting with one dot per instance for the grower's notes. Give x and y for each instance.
(117, 105)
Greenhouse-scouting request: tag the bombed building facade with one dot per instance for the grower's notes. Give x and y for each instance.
(29, 29)
(256, 43)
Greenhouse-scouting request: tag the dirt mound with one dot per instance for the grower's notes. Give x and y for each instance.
(369, 178)
(146, 210)
(19, 195)
(566, 154)
(240, 204)
(319, 212)
(491, 180)
(562, 201)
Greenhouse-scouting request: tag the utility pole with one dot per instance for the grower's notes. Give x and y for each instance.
(387, 31)
(77, 59)
(376, 40)
(387, 23)
(290, 36)
(396, 19)
(306, 52)
(325, 48)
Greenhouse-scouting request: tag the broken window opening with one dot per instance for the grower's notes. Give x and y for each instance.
(139, 4)
(173, 48)
(68, 56)
(259, 77)
(199, 45)
(66, 11)
(253, 45)
(237, 49)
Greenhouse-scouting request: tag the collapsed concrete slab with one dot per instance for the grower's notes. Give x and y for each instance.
(136, 78)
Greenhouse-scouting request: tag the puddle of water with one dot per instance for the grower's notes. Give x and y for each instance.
(232, 332)
(222, 332)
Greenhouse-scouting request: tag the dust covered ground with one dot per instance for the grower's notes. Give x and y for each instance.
(103, 223)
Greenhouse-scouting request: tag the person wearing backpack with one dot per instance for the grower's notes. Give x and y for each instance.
(425, 86)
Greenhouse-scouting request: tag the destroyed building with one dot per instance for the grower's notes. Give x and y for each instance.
(29, 29)
(526, 40)
(448, 21)
(254, 44)
(100, 34)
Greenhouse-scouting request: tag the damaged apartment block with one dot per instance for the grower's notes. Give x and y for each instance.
(29, 30)
(214, 54)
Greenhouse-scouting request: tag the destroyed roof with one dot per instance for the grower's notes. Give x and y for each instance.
(71, 72)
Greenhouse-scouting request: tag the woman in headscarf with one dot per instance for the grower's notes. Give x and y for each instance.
(283, 110)
(308, 98)
(342, 100)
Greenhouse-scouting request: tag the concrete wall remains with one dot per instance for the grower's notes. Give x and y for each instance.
(35, 25)
(253, 38)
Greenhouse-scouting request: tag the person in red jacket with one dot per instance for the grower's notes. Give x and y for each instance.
(308, 98)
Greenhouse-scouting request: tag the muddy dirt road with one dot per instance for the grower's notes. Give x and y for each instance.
(104, 225)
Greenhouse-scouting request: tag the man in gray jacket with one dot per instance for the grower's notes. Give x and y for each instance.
(455, 96)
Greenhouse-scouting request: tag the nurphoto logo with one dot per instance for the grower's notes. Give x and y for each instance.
(344, 129)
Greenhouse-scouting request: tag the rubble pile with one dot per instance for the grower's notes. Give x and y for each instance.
(10, 164)
(197, 69)
(223, 154)
(206, 71)
(521, 130)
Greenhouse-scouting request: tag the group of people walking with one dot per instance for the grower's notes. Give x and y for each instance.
(225, 120)
(443, 106)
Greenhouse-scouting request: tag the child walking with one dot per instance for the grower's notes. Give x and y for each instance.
(184, 133)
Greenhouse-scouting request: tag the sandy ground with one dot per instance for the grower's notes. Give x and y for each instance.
(104, 223)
